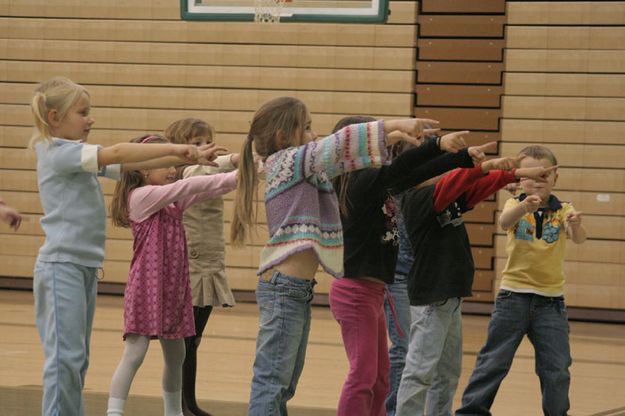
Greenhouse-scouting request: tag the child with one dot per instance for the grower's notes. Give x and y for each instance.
(398, 293)
(370, 253)
(204, 224)
(157, 300)
(531, 299)
(10, 215)
(397, 312)
(304, 229)
(442, 273)
(74, 221)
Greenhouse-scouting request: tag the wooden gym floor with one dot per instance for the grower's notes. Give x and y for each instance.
(227, 351)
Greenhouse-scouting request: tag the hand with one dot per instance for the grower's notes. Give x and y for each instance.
(188, 152)
(501, 163)
(414, 127)
(531, 203)
(538, 173)
(209, 152)
(234, 159)
(11, 216)
(574, 218)
(453, 142)
(397, 136)
(260, 166)
(513, 188)
(478, 153)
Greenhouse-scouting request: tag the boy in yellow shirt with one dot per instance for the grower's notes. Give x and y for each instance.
(531, 299)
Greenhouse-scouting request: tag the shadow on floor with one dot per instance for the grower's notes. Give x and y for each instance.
(26, 401)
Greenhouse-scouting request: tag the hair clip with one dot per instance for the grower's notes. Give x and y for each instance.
(150, 138)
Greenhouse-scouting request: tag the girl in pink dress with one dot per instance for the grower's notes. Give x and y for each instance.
(157, 301)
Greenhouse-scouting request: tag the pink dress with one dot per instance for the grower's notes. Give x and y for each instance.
(157, 300)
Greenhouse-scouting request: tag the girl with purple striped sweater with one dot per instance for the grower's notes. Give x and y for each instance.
(304, 228)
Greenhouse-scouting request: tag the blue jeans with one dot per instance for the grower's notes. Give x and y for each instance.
(284, 324)
(434, 360)
(65, 295)
(545, 322)
(399, 343)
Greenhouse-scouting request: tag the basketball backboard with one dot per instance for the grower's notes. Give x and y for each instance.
(348, 11)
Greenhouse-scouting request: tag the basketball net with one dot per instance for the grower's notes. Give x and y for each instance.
(268, 11)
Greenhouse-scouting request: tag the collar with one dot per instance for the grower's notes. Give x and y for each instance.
(554, 203)
(62, 140)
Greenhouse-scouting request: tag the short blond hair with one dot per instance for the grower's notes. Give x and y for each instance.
(58, 93)
(539, 152)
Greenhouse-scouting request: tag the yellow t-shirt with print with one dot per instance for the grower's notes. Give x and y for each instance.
(535, 265)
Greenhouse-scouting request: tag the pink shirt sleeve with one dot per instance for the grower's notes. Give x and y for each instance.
(147, 200)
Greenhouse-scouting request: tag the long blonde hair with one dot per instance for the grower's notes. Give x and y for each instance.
(284, 116)
(129, 180)
(58, 93)
(182, 131)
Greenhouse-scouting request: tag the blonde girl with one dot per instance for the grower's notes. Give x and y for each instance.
(304, 229)
(157, 300)
(74, 225)
(204, 224)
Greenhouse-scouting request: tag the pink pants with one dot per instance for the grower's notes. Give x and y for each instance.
(358, 307)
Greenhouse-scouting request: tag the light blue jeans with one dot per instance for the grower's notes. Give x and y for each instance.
(545, 321)
(434, 360)
(399, 342)
(65, 297)
(284, 324)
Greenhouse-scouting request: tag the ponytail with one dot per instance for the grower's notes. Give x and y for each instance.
(58, 94)
(247, 188)
(42, 128)
(283, 114)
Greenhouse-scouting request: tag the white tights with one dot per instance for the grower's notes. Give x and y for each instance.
(136, 346)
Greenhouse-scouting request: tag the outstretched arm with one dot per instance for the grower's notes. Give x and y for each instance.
(419, 170)
(206, 156)
(360, 146)
(147, 200)
(501, 172)
(123, 153)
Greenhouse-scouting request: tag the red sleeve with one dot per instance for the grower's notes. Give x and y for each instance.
(488, 185)
(473, 183)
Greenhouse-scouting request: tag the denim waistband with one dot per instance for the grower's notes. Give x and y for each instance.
(279, 277)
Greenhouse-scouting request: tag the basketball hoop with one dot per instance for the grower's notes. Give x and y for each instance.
(268, 11)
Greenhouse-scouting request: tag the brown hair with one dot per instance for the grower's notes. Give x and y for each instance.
(341, 182)
(129, 180)
(57, 93)
(182, 131)
(539, 152)
(284, 116)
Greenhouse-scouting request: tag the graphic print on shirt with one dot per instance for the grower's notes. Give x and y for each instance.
(551, 228)
(451, 215)
(526, 228)
(392, 231)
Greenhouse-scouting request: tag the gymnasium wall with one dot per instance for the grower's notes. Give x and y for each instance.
(145, 68)
(564, 86)
(519, 72)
